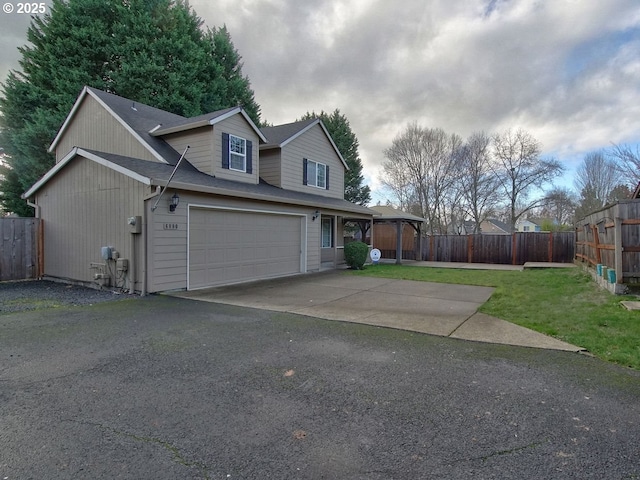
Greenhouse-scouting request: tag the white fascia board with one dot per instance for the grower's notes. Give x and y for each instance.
(74, 110)
(114, 166)
(159, 132)
(91, 156)
(241, 111)
(67, 121)
(300, 132)
(326, 132)
(128, 127)
(190, 187)
(52, 171)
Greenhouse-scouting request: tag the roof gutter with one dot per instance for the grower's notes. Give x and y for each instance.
(268, 198)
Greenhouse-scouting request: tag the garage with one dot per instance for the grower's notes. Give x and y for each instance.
(231, 246)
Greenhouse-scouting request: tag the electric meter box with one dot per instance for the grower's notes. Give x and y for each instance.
(106, 253)
(135, 224)
(122, 265)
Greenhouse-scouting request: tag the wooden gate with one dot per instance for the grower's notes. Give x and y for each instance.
(21, 247)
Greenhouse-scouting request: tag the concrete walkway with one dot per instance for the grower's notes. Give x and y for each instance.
(433, 308)
(482, 266)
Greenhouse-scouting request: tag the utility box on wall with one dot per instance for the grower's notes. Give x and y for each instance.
(106, 253)
(135, 224)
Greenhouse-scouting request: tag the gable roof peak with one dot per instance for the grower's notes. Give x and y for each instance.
(279, 136)
(204, 120)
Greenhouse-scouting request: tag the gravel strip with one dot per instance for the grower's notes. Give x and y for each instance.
(38, 294)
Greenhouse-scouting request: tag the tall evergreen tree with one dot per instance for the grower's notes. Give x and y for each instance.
(338, 127)
(152, 51)
(236, 87)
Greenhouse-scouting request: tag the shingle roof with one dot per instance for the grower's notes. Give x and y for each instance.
(189, 177)
(149, 123)
(389, 213)
(499, 225)
(279, 134)
(142, 119)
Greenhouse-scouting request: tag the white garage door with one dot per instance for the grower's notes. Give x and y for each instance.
(229, 246)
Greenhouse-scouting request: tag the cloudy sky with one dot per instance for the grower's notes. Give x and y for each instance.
(567, 71)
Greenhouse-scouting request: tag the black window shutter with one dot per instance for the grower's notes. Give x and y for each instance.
(304, 171)
(249, 157)
(326, 177)
(225, 150)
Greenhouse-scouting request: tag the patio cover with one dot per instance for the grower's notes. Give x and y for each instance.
(392, 215)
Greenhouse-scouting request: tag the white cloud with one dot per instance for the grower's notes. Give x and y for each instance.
(567, 71)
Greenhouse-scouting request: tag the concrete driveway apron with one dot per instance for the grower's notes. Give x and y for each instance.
(432, 308)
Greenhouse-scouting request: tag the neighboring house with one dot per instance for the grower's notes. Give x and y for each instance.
(527, 226)
(244, 204)
(494, 227)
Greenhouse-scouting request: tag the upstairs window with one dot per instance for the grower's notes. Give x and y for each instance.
(236, 153)
(316, 174)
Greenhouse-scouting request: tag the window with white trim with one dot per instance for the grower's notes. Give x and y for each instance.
(237, 153)
(316, 174)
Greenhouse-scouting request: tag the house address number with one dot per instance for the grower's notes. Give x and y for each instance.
(170, 226)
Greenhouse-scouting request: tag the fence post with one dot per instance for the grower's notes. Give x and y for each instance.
(431, 248)
(470, 248)
(550, 246)
(596, 243)
(618, 248)
(399, 242)
(513, 248)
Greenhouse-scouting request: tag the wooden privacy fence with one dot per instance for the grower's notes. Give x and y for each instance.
(21, 247)
(384, 239)
(611, 238)
(515, 249)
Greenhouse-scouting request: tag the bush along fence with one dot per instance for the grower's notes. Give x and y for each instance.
(515, 249)
(21, 247)
(608, 244)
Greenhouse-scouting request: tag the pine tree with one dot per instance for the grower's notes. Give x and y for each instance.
(338, 127)
(236, 87)
(152, 51)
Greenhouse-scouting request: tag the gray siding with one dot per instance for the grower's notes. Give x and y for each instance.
(94, 128)
(238, 126)
(200, 141)
(167, 255)
(86, 207)
(271, 166)
(315, 146)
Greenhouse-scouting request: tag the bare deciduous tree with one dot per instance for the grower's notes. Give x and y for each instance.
(595, 178)
(520, 169)
(628, 163)
(478, 182)
(561, 203)
(421, 166)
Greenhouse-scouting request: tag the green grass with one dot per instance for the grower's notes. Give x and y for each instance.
(564, 303)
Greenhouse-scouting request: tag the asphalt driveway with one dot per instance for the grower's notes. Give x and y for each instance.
(166, 388)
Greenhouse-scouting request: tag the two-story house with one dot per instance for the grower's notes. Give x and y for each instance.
(145, 200)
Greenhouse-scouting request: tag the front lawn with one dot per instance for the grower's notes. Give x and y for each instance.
(564, 303)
